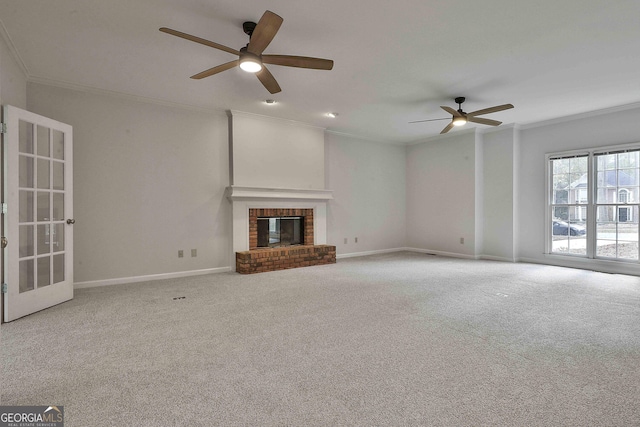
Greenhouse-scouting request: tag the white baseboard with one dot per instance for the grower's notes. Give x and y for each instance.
(377, 252)
(418, 250)
(441, 253)
(136, 279)
(496, 258)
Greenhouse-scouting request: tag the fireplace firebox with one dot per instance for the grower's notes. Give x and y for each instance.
(275, 232)
(291, 226)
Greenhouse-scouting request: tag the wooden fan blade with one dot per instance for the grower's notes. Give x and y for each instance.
(430, 120)
(447, 129)
(298, 61)
(215, 70)
(451, 111)
(264, 32)
(483, 121)
(490, 110)
(199, 40)
(267, 79)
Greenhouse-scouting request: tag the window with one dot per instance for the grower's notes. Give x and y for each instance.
(616, 221)
(593, 204)
(569, 199)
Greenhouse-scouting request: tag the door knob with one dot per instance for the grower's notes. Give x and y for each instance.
(71, 221)
(5, 242)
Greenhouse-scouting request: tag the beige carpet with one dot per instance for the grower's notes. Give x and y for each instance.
(392, 340)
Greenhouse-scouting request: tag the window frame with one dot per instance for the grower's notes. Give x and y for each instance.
(592, 202)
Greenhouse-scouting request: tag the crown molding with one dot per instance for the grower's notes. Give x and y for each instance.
(580, 116)
(365, 138)
(12, 49)
(121, 95)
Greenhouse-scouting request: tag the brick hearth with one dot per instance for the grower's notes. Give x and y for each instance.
(271, 259)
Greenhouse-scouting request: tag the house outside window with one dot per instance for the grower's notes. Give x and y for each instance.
(593, 204)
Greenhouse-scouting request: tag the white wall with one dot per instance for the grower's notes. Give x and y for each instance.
(616, 127)
(369, 202)
(276, 153)
(498, 219)
(148, 180)
(441, 194)
(13, 82)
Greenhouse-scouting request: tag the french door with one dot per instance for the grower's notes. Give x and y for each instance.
(38, 212)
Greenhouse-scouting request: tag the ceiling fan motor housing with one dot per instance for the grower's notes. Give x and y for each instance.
(248, 27)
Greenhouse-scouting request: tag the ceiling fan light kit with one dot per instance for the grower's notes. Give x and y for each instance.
(459, 121)
(250, 62)
(250, 57)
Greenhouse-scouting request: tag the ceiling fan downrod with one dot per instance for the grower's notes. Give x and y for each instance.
(459, 100)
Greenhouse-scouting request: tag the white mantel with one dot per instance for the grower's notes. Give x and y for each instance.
(235, 193)
(244, 198)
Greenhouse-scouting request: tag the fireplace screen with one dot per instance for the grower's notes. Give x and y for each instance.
(280, 231)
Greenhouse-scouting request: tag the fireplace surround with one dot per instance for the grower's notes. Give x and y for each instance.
(249, 203)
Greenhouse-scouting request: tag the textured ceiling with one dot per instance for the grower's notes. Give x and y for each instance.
(395, 62)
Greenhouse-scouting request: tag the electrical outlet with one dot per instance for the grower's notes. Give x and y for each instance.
(356, 240)
(345, 240)
(194, 253)
(180, 253)
(462, 240)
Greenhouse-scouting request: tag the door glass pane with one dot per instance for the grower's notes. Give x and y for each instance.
(58, 176)
(58, 268)
(44, 271)
(44, 239)
(26, 246)
(26, 206)
(26, 276)
(43, 173)
(25, 137)
(43, 141)
(43, 206)
(25, 172)
(58, 206)
(58, 145)
(57, 238)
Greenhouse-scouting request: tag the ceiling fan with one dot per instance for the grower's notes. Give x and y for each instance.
(250, 57)
(460, 117)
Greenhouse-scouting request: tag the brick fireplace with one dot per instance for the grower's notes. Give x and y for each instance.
(251, 203)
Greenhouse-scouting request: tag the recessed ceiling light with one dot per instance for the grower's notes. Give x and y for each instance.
(270, 102)
(332, 115)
